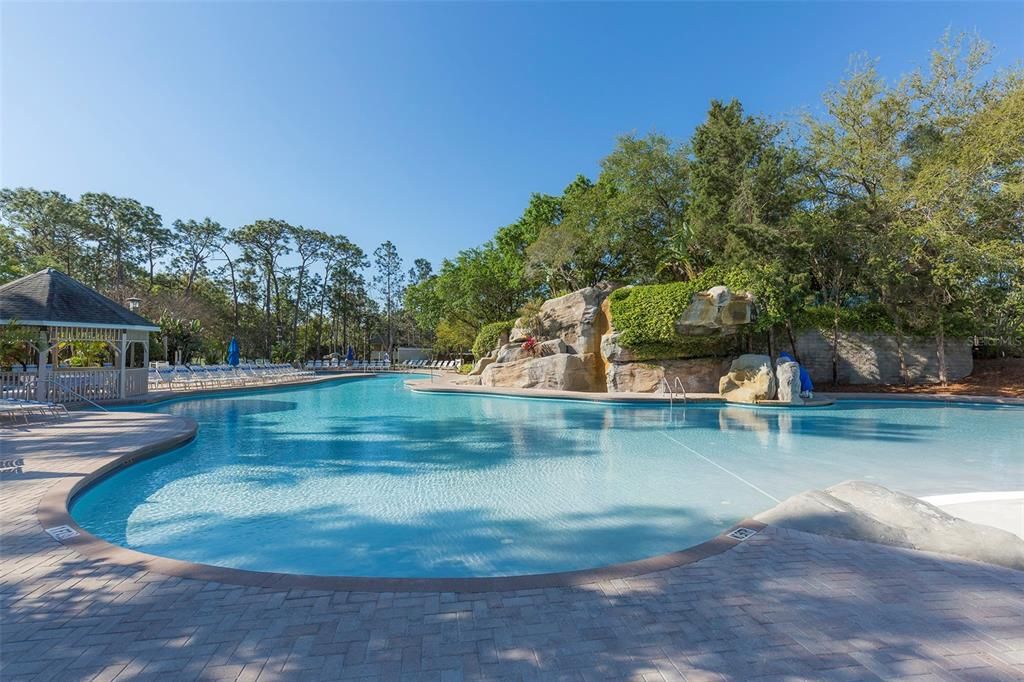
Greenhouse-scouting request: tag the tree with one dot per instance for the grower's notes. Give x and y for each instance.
(390, 282)
(855, 157)
(263, 242)
(197, 241)
(747, 185)
(311, 246)
(341, 260)
(45, 228)
(154, 240)
(651, 180)
(961, 201)
(421, 270)
(116, 225)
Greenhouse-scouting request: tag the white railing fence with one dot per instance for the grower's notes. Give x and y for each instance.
(72, 385)
(137, 382)
(17, 385)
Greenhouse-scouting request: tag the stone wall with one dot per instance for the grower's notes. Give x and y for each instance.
(698, 375)
(578, 349)
(874, 358)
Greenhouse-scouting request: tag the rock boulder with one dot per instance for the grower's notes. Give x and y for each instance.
(511, 352)
(613, 351)
(788, 377)
(716, 311)
(698, 375)
(564, 371)
(750, 379)
(481, 364)
(570, 318)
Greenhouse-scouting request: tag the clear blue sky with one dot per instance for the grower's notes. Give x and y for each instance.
(429, 124)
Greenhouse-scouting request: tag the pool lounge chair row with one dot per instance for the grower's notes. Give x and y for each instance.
(382, 365)
(361, 365)
(31, 409)
(452, 365)
(325, 364)
(190, 377)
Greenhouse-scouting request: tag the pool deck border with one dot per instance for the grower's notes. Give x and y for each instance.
(821, 399)
(53, 510)
(164, 396)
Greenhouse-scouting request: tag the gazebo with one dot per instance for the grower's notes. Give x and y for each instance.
(57, 311)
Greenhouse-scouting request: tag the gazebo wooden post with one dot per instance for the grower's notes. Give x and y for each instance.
(122, 363)
(42, 372)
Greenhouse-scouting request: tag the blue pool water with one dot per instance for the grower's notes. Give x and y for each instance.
(365, 477)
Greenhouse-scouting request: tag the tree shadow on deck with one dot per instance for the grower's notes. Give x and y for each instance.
(781, 604)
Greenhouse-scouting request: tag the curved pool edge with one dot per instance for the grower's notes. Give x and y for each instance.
(624, 398)
(168, 396)
(54, 509)
(824, 399)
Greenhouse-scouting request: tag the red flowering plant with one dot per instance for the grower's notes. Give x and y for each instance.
(530, 345)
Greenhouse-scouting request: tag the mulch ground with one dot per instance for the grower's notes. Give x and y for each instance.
(1000, 377)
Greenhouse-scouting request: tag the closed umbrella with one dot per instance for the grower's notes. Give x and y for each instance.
(350, 355)
(233, 352)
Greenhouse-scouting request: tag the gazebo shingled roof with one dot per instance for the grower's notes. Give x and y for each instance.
(49, 298)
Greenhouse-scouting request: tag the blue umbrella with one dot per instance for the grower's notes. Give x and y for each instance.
(350, 355)
(233, 352)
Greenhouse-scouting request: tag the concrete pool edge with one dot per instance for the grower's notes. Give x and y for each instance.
(167, 396)
(821, 399)
(426, 386)
(54, 510)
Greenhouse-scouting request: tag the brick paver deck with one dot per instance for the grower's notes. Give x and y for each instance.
(781, 605)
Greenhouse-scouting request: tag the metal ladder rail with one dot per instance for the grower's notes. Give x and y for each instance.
(669, 391)
(679, 384)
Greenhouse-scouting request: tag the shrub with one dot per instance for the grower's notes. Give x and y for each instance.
(489, 336)
(645, 318)
(867, 317)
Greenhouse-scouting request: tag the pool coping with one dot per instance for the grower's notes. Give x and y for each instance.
(425, 386)
(53, 510)
(823, 399)
(164, 396)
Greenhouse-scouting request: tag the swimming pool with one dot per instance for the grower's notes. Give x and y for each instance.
(364, 477)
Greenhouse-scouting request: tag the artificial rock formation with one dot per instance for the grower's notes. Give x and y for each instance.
(698, 375)
(564, 371)
(788, 378)
(578, 325)
(749, 380)
(858, 510)
(566, 356)
(613, 351)
(514, 352)
(571, 318)
(716, 311)
(481, 365)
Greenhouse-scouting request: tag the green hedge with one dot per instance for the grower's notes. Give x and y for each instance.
(645, 318)
(867, 318)
(872, 318)
(489, 336)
